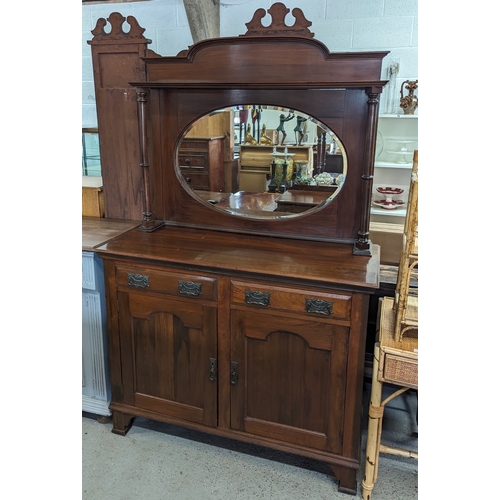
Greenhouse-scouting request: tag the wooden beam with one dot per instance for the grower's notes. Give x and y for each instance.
(203, 18)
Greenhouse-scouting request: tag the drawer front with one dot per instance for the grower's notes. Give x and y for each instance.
(196, 180)
(296, 300)
(193, 160)
(200, 145)
(171, 283)
(401, 371)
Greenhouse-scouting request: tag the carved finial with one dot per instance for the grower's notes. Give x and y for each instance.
(116, 20)
(300, 19)
(256, 22)
(99, 27)
(135, 29)
(278, 12)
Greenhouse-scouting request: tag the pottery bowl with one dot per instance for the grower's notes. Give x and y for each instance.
(390, 190)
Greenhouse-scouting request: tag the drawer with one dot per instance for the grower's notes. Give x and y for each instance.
(196, 180)
(171, 283)
(297, 300)
(200, 145)
(400, 370)
(193, 160)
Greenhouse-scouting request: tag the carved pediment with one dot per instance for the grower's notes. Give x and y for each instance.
(117, 33)
(278, 12)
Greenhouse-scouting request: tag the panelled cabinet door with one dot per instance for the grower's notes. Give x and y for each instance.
(288, 378)
(168, 350)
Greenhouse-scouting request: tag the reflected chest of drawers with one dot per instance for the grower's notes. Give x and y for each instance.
(201, 161)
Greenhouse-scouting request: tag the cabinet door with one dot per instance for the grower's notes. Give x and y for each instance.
(289, 381)
(166, 348)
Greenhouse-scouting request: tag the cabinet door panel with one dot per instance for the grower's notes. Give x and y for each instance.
(166, 349)
(291, 378)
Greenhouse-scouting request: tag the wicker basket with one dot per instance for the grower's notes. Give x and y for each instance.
(399, 359)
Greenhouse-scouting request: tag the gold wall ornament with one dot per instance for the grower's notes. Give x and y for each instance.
(409, 102)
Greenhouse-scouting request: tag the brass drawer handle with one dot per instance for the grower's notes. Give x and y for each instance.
(319, 306)
(257, 298)
(189, 288)
(187, 160)
(137, 280)
(234, 372)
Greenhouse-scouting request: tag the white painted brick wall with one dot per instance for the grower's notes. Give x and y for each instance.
(342, 25)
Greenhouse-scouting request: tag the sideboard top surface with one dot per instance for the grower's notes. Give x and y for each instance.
(96, 231)
(309, 261)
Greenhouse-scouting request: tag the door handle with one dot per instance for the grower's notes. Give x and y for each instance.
(234, 372)
(213, 369)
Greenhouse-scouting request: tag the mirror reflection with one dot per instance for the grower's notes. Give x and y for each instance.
(261, 161)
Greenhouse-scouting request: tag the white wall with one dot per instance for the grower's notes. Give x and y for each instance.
(342, 25)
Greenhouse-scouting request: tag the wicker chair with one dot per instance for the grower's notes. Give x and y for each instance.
(395, 357)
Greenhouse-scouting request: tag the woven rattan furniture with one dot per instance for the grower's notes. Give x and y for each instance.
(395, 359)
(394, 362)
(406, 305)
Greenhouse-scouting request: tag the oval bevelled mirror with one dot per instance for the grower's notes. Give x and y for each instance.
(258, 161)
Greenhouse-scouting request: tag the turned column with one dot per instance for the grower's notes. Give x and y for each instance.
(148, 222)
(363, 243)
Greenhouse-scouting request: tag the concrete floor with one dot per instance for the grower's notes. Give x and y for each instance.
(157, 461)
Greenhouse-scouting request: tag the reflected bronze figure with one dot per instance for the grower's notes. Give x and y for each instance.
(281, 126)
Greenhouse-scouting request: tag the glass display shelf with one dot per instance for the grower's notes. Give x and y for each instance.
(91, 155)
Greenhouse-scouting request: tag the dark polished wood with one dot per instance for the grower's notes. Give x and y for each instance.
(240, 326)
(312, 262)
(278, 69)
(266, 345)
(97, 230)
(300, 200)
(116, 60)
(166, 346)
(200, 159)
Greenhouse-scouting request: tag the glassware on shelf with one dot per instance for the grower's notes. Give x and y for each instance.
(389, 203)
(404, 154)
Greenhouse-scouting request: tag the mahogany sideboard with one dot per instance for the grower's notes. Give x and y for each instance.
(248, 324)
(250, 338)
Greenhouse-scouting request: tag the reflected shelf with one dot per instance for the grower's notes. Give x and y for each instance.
(398, 212)
(397, 115)
(391, 164)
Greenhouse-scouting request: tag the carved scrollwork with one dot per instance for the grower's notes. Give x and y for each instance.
(319, 306)
(278, 12)
(116, 20)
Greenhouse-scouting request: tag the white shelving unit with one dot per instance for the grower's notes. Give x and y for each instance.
(96, 389)
(392, 167)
